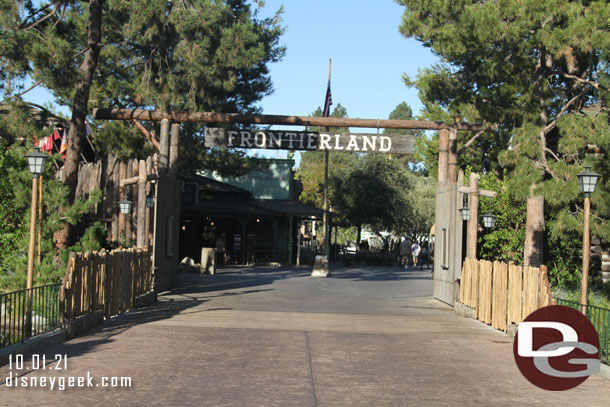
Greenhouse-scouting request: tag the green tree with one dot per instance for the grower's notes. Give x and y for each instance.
(531, 67)
(372, 192)
(311, 168)
(195, 55)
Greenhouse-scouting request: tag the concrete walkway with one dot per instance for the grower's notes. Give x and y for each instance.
(276, 337)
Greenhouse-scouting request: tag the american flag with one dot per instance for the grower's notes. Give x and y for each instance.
(327, 102)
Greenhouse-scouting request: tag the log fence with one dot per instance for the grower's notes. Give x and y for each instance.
(501, 294)
(108, 281)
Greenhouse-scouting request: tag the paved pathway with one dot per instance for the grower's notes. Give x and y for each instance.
(276, 337)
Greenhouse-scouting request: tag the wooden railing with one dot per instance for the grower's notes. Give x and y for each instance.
(501, 294)
(105, 281)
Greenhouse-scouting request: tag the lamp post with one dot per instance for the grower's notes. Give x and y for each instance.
(36, 161)
(587, 181)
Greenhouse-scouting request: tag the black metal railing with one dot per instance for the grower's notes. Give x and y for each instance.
(27, 313)
(600, 318)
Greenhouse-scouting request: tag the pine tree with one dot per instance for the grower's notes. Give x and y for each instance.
(534, 68)
(187, 55)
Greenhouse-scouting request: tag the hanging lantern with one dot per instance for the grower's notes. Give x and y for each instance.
(125, 206)
(150, 201)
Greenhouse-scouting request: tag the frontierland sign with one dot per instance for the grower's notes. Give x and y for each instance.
(310, 140)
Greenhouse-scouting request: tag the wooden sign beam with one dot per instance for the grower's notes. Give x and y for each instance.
(229, 118)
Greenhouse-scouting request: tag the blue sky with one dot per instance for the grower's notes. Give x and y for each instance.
(369, 57)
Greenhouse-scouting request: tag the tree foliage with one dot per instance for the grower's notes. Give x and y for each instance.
(537, 69)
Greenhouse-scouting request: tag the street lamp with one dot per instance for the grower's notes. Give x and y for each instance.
(150, 201)
(586, 182)
(125, 206)
(489, 219)
(465, 210)
(36, 161)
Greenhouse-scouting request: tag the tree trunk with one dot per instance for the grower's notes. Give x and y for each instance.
(76, 134)
(533, 249)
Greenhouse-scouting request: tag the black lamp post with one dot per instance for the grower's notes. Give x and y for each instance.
(587, 180)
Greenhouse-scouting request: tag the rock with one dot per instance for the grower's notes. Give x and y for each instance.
(595, 241)
(320, 267)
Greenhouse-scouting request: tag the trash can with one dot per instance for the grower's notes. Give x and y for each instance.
(208, 260)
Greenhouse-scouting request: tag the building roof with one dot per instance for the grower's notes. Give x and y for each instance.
(289, 207)
(227, 207)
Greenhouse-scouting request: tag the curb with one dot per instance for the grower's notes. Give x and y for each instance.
(34, 345)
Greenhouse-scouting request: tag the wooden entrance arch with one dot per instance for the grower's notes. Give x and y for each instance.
(448, 246)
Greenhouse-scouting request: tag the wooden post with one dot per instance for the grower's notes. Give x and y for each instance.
(586, 247)
(113, 200)
(39, 236)
(443, 145)
(164, 152)
(129, 195)
(473, 222)
(149, 190)
(122, 175)
(142, 212)
(173, 149)
(452, 156)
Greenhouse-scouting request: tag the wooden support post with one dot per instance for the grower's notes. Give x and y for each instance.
(473, 222)
(325, 215)
(173, 149)
(586, 248)
(129, 195)
(443, 145)
(142, 212)
(149, 190)
(452, 156)
(114, 199)
(122, 175)
(164, 151)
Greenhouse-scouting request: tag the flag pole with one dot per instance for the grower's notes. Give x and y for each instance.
(325, 220)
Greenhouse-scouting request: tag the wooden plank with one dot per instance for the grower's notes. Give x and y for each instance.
(487, 291)
(475, 288)
(215, 117)
(500, 293)
(69, 288)
(515, 291)
(108, 284)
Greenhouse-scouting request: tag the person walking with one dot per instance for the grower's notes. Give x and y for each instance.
(415, 249)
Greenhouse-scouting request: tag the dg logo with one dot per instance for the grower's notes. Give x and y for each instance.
(556, 348)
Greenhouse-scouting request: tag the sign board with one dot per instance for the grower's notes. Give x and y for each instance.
(310, 140)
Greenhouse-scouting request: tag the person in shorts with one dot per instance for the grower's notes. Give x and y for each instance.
(415, 249)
